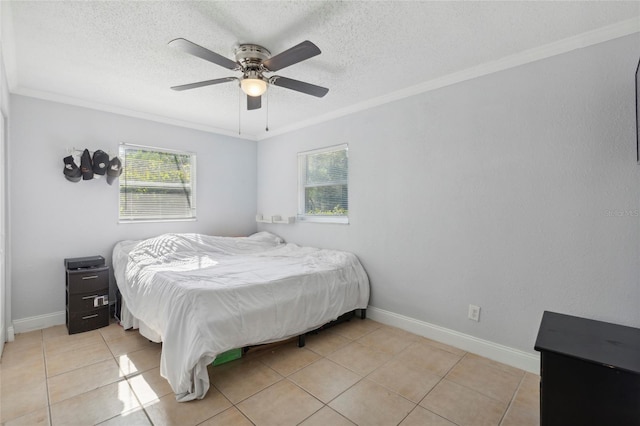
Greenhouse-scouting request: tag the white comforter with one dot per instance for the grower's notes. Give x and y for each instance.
(205, 295)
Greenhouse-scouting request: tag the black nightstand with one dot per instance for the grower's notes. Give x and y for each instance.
(87, 298)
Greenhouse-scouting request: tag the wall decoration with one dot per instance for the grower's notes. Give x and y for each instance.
(92, 166)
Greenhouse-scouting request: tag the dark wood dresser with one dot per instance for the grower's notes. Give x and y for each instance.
(87, 297)
(589, 372)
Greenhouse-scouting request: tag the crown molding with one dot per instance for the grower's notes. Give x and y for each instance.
(55, 97)
(579, 41)
(569, 44)
(7, 44)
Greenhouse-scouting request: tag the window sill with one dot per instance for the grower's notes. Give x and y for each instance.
(193, 219)
(342, 220)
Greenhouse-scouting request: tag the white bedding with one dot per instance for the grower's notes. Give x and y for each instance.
(204, 295)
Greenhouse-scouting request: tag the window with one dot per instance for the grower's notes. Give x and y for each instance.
(157, 184)
(323, 185)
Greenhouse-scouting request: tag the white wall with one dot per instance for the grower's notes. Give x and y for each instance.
(516, 191)
(53, 218)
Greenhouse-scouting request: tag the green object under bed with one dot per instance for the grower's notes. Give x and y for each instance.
(227, 356)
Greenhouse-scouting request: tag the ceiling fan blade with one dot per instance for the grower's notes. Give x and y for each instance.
(203, 83)
(254, 102)
(299, 86)
(297, 53)
(201, 52)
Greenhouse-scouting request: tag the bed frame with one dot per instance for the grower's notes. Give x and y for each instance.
(342, 318)
(362, 313)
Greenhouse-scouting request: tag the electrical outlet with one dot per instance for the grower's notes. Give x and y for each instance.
(474, 313)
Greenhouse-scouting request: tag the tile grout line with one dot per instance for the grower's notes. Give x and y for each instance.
(445, 375)
(311, 395)
(513, 397)
(46, 378)
(408, 414)
(335, 397)
(356, 373)
(261, 360)
(436, 385)
(244, 399)
(125, 379)
(394, 356)
(301, 388)
(84, 366)
(235, 405)
(366, 376)
(482, 393)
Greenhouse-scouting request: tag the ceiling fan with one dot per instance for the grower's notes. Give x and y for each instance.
(254, 61)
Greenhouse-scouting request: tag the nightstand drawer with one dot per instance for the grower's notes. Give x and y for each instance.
(89, 301)
(77, 322)
(87, 280)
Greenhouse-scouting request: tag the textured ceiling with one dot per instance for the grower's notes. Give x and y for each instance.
(114, 54)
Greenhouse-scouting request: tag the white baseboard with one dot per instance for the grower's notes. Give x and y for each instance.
(504, 354)
(11, 335)
(39, 322)
(510, 356)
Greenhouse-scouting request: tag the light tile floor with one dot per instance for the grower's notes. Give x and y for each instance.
(359, 372)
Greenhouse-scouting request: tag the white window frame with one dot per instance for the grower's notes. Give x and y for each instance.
(192, 155)
(302, 170)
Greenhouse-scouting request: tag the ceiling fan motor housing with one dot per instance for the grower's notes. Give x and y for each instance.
(251, 56)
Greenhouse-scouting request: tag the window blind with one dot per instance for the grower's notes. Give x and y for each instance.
(324, 174)
(156, 184)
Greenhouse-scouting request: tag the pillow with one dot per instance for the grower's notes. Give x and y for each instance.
(266, 237)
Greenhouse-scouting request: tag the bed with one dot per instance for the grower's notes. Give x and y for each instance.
(203, 295)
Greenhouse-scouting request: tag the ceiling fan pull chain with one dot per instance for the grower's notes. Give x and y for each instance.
(239, 108)
(267, 125)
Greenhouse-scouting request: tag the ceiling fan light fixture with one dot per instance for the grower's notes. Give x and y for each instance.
(253, 86)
